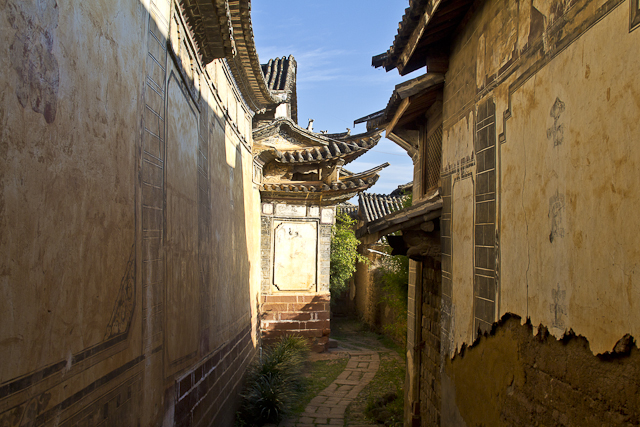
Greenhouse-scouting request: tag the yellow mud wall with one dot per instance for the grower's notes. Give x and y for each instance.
(70, 115)
(570, 189)
(555, 84)
(129, 222)
(564, 131)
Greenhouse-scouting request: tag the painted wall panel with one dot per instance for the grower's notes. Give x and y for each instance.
(463, 250)
(295, 248)
(181, 241)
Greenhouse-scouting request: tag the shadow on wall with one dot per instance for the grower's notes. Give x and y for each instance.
(512, 376)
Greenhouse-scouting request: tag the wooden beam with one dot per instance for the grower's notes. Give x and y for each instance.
(399, 112)
(416, 35)
(411, 151)
(417, 85)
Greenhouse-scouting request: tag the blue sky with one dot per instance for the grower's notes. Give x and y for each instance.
(333, 42)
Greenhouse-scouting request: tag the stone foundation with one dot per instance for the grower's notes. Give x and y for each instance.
(302, 315)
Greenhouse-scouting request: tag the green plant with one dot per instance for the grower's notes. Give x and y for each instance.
(395, 285)
(344, 253)
(408, 201)
(273, 383)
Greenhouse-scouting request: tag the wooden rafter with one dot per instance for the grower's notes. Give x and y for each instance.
(399, 112)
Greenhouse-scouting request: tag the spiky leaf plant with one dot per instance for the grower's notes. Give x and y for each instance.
(274, 383)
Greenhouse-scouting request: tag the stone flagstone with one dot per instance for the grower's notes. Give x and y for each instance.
(328, 407)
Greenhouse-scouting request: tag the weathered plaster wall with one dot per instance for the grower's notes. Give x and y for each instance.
(364, 292)
(570, 181)
(559, 171)
(556, 247)
(67, 195)
(128, 219)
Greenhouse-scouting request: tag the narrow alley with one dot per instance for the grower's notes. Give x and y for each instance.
(169, 214)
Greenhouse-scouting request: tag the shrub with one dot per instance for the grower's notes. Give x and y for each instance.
(344, 253)
(273, 383)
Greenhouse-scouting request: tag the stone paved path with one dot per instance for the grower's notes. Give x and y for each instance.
(328, 407)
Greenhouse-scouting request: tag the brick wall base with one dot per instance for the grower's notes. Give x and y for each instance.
(302, 315)
(202, 394)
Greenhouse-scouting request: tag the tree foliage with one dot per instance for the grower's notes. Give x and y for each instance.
(344, 253)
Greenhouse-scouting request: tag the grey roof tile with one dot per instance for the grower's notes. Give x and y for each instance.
(374, 206)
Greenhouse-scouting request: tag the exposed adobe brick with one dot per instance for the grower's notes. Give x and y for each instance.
(181, 410)
(216, 373)
(319, 348)
(197, 374)
(313, 298)
(270, 316)
(280, 298)
(185, 422)
(318, 324)
(282, 325)
(323, 315)
(202, 389)
(311, 333)
(277, 307)
(295, 316)
(200, 410)
(307, 307)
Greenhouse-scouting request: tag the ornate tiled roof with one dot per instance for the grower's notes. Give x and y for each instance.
(403, 190)
(210, 23)
(421, 92)
(287, 125)
(280, 75)
(321, 148)
(222, 29)
(374, 206)
(403, 219)
(245, 65)
(424, 23)
(409, 22)
(347, 150)
(322, 193)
